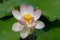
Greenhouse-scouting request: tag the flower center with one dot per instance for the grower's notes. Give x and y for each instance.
(27, 18)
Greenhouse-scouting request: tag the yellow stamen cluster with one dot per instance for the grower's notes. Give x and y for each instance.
(27, 18)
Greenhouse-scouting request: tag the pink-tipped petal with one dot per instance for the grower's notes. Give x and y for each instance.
(22, 21)
(17, 27)
(37, 14)
(25, 32)
(16, 14)
(40, 25)
(30, 9)
(23, 9)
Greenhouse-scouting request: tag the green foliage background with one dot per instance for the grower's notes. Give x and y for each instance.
(50, 16)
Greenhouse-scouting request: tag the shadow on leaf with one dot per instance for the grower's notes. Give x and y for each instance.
(50, 24)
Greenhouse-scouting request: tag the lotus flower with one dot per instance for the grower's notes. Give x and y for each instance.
(27, 20)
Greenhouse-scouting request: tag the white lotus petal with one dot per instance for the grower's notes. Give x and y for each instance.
(25, 32)
(23, 9)
(31, 25)
(40, 25)
(17, 27)
(37, 14)
(16, 14)
(30, 9)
